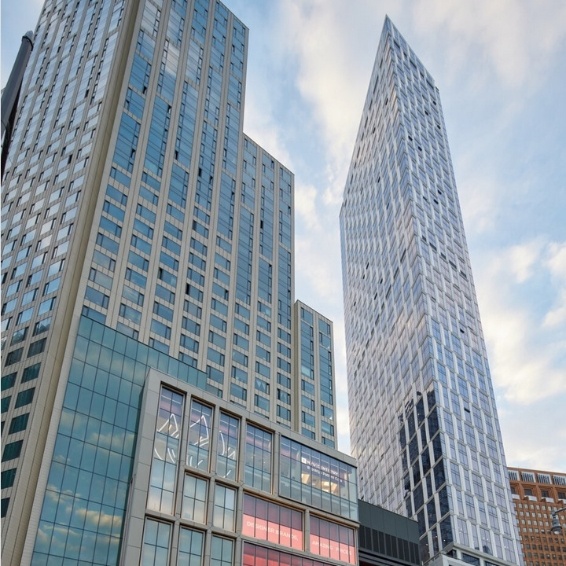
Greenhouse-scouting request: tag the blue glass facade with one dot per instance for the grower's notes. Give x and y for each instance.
(84, 508)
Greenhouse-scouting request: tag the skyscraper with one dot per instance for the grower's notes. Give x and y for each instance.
(152, 344)
(423, 420)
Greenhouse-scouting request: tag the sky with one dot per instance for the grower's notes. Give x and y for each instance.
(501, 71)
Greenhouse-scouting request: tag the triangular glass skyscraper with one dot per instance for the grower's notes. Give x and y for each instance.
(423, 420)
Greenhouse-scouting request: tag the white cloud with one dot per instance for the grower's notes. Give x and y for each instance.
(526, 360)
(556, 263)
(480, 199)
(329, 75)
(523, 258)
(306, 205)
(513, 39)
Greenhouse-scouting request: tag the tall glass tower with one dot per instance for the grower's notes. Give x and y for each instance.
(151, 339)
(423, 420)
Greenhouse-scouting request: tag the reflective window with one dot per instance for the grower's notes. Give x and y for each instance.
(155, 551)
(200, 425)
(258, 458)
(224, 515)
(227, 448)
(190, 547)
(165, 451)
(221, 552)
(102, 401)
(194, 499)
(317, 479)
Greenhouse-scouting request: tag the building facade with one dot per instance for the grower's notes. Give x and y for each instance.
(141, 231)
(423, 421)
(536, 494)
(386, 538)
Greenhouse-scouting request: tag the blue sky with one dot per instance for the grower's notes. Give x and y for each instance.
(501, 71)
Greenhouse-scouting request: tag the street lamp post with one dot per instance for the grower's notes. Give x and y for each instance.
(556, 527)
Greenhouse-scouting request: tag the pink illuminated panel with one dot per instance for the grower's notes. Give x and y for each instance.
(332, 540)
(258, 556)
(268, 521)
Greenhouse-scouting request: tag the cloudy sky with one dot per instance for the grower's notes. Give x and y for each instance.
(501, 70)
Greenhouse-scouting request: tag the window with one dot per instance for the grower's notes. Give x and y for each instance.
(317, 479)
(221, 552)
(129, 313)
(200, 425)
(42, 326)
(261, 402)
(96, 297)
(194, 499)
(36, 347)
(14, 356)
(190, 547)
(224, 512)
(46, 305)
(24, 397)
(258, 458)
(19, 423)
(165, 451)
(283, 413)
(8, 380)
(161, 330)
(155, 551)
(227, 447)
(30, 373)
(8, 477)
(12, 450)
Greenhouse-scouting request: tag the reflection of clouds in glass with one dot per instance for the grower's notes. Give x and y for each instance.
(100, 518)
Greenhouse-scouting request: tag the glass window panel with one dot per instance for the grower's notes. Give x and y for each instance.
(258, 458)
(316, 479)
(227, 448)
(200, 426)
(165, 451)
(155, 549)
(194, 499)
(190, 547)
(221, 552)
(224, 514)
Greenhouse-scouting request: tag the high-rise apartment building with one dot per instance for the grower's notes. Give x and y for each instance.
(423, 420)
(163, 395)
(536, 495)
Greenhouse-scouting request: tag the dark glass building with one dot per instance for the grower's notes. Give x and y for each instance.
(386, 538)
